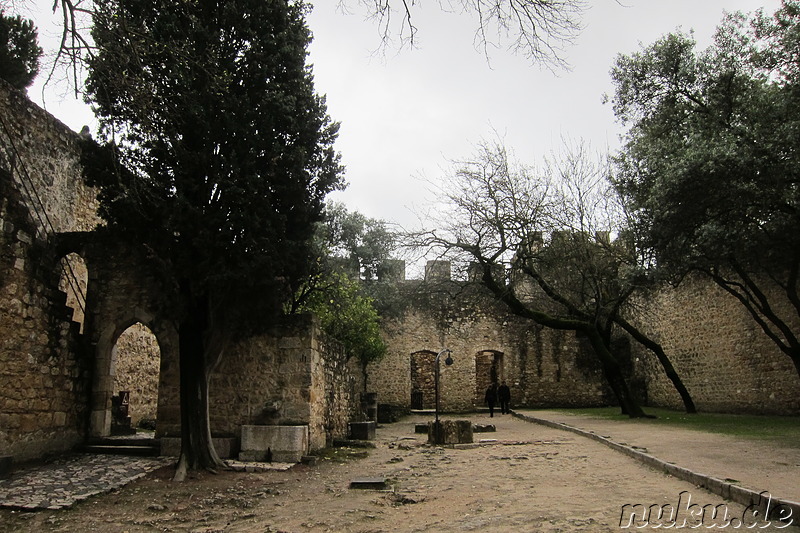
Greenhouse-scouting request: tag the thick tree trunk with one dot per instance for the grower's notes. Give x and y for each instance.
(613, 374)
(197, 448)
(666, 364)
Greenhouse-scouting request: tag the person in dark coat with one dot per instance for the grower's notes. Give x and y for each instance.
(504, 396)
(491, 398)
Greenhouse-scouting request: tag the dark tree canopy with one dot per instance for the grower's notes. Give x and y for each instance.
(19, 51)
(228, 155)
(710, 164)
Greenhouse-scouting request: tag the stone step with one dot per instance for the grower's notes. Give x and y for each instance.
(116, 449)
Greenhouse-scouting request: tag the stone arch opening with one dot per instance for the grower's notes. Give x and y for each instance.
(489, 369)
(120, 350)
(73, 282)
(422, 380)
(135, 362)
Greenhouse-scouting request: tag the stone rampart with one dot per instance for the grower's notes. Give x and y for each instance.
(725, 360)
(542, 367)
(44, 368)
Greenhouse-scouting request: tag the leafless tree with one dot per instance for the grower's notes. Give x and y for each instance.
(539, 239)
(540, 30)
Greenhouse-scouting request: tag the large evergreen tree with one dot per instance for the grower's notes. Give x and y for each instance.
(228, 154)
(19, 51)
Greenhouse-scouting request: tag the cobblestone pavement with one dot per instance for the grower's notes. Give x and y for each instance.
(68, 480)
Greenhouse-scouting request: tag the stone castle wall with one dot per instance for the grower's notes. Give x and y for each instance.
(292, 376)
(44, 368)
(725, 360)
(543, 367)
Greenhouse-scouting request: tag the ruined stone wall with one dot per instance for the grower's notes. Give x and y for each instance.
(726, 362)
(542, 367)
(44, 372)
(292, 376)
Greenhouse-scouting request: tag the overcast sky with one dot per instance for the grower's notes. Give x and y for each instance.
(406, 113)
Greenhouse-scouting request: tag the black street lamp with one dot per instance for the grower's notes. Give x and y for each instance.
(448, 361)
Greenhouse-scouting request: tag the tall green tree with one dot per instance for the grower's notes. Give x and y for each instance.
(211, 108)
(19, 51)
(350, 249)
(710, 167)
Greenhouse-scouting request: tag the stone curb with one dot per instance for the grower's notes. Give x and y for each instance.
(727, 490)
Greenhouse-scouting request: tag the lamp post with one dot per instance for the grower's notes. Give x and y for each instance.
(448, 361)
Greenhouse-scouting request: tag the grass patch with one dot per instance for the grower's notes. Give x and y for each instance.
(780, 429)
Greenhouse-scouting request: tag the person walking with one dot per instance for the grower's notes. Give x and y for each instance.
(504, 396)
(491, 398)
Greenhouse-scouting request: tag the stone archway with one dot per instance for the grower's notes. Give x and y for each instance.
(136, 358)
(489, 369)
(422, 379)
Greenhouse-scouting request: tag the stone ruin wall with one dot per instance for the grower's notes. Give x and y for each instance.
(543, 367)
(725, 360)
(292, 376)
(44, 371)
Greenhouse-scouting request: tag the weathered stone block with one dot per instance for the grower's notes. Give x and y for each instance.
(284, 444)
(362, 430)
(450, 432)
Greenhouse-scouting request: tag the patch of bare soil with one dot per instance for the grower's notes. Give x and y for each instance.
(524, 478)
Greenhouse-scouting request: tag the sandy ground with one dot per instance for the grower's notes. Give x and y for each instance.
(528, 478)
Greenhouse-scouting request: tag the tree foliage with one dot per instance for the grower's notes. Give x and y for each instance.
(350, 250)
(210, 107)
(347, 314)
(19, 51)
(710, 167)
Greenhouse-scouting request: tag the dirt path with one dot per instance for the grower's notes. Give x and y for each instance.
(530, 478)
(757, 465)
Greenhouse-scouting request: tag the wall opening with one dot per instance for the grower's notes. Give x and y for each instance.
(423, 394)
(136, 363)
(488, 370)
(73, 281)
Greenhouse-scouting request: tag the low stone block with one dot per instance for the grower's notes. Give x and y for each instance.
(450, 432)
(226, 447)
(283, 444)
(420, 428)
(484, 428)
(362, 430)
(5, 465)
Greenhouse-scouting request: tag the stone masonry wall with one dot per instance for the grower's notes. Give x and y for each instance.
(44, 372)
(726, 362)
(542, 367)
(292, 376)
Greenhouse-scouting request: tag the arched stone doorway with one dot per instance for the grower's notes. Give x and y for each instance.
(136, 361)
(488, 370)
(422, 380)
(128, 358)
